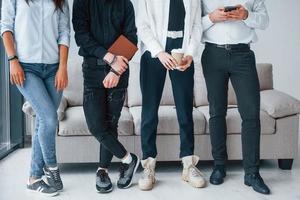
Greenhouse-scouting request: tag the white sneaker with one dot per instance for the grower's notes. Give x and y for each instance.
(147, 180)
(191, 173)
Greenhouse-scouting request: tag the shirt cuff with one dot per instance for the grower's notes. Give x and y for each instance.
(155, 51)
(206, 22)
(6, 29)
(249, 18)
(64, 41)
(101, 52)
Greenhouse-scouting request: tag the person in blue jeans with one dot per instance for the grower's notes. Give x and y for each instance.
(36, 36)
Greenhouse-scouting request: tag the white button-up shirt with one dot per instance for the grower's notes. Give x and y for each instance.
(234, 32)
(38, 29)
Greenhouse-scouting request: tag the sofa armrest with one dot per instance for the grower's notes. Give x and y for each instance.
(28, 110)
(278, 104)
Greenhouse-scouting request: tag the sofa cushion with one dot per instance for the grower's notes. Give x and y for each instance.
(74, 92)
(278, 104)
(233, 120)
(134, 89)
(74, 123)
(265, 76)
(168, 123)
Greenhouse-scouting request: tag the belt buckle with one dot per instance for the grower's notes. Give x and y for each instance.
(227, 47)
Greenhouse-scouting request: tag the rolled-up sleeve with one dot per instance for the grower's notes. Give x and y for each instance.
(64, 25)
(8, 14)
(258, 17)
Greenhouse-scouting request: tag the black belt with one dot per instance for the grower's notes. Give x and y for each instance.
(229, 46)
(94, 62)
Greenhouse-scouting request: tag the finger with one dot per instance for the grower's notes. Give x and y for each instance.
(169, 65)
(173, 60)
(125, 59)
(12, 81)
(55, 82)
(16, 78)
(20, 80)
(58, 88)
(108, 83)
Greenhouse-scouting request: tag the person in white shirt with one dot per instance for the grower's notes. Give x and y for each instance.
(162, 27)
(228, 33)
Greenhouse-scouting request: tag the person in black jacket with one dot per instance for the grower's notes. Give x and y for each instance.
(97, 24)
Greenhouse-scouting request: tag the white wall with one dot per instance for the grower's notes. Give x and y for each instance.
(279, 44)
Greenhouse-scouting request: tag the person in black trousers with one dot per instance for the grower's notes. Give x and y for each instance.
(227, 56)
(161, 32)
(97, 24)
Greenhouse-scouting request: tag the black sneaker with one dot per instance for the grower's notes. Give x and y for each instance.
(41, 187)
(127, 172)
(103, 182)
(53, 178)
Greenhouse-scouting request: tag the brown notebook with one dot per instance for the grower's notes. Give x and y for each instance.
(123, 47)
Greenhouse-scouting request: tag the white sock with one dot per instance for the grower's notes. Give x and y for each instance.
(127, 159)
(99, 168)
(30, 183)
(53, 168)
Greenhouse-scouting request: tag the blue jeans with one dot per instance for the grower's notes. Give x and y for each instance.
(39, 90)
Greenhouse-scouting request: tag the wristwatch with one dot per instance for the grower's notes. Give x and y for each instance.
(10, 58)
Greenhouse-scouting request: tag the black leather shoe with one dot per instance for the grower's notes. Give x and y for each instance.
(257, 183)
(218, 175)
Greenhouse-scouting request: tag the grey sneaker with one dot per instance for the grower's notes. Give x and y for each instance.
(127, 172)
(103, 182)
(41, 187)
(53, 178)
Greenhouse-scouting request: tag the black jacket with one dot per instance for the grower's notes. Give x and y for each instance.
(98, 23)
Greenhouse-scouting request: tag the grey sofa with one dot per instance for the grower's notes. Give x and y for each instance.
(279, 120)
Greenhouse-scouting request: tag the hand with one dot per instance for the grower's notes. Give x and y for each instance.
(239, 14)
(111, 80)
(186, 63)
(120, 65)
(61, 78)
(17, 75)
(167, 60)
(218, 15)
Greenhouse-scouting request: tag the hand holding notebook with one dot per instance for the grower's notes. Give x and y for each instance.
(123, 47)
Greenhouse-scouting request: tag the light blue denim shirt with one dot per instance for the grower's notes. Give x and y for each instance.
(38, 29)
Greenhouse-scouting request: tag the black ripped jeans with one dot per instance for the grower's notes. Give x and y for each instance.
(102, 109)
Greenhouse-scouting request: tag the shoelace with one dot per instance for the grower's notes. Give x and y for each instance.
(102, 175)
(56, 176)
(148, 172)
(123, 168)
(195, 171)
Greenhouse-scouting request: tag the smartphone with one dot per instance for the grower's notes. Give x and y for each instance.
(230, 8)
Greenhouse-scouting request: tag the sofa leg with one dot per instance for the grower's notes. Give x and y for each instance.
(285, 164)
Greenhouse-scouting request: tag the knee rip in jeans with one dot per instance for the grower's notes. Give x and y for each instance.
(117, 95)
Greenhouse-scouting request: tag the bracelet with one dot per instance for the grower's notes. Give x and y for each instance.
(10, 58)
(115, 72)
